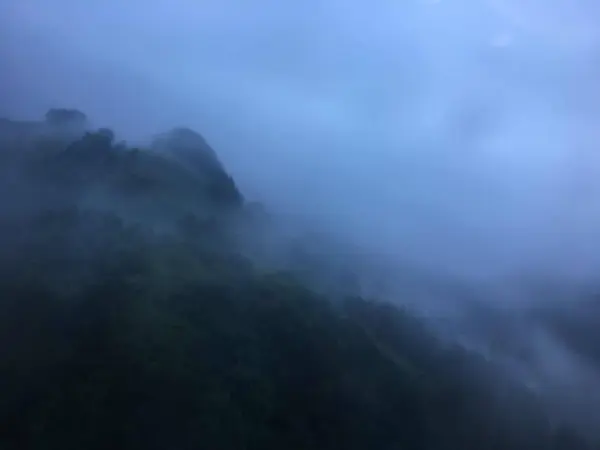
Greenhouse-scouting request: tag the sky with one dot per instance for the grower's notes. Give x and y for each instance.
(458, 134)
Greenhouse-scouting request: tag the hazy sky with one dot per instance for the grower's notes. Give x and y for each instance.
(461, 133)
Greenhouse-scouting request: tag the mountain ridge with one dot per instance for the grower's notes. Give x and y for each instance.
(132, 318)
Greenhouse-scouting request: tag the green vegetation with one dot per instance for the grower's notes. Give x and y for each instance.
(130, 319)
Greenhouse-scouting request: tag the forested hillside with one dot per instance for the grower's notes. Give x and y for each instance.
(132, 317)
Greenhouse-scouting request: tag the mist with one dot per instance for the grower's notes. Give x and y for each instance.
(456, 136)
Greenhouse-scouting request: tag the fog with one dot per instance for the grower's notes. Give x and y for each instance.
(459, 134)
(455, 135)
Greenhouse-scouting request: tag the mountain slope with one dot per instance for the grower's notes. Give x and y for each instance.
(131, 319)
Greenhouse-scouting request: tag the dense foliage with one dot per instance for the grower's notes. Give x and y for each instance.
(131, 319)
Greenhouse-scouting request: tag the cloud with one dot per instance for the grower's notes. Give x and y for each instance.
(442, 131)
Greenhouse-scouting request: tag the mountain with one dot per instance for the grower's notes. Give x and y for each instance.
(133, 317)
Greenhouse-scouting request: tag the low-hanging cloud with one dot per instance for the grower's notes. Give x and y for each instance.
(457, 134)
